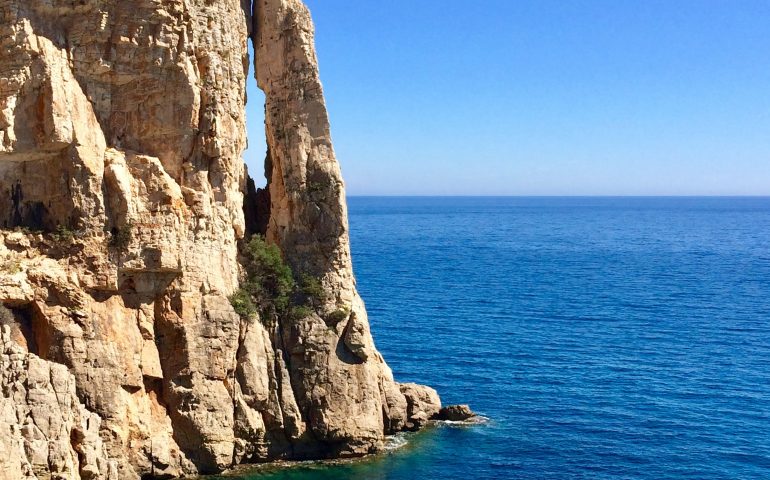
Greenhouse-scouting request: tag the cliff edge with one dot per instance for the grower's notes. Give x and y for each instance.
(124, 240)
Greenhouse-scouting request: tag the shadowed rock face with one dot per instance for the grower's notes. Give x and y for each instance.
(123, 121)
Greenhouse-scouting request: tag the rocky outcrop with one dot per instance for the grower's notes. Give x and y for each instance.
(455, 413)
(121, 133)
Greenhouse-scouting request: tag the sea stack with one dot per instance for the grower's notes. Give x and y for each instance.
(122, 127)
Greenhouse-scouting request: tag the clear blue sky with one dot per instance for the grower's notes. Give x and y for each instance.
(544, 97)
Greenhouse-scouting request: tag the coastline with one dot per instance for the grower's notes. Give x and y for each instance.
(401, 445)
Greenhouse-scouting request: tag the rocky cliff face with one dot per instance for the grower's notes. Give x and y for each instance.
(121, 133)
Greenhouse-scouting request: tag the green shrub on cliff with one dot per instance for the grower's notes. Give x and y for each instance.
(270, 288)
(243, 304)
(63, 235)
(269, 281)
(335, 317)
(311, 288)
(121, 236)
(298, 312)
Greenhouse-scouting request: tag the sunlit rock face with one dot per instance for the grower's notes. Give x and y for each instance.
(122, 125)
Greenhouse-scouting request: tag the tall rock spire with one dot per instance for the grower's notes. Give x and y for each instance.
(340, 380)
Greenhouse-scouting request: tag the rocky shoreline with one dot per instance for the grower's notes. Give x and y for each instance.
(124, 244)
(394, 444)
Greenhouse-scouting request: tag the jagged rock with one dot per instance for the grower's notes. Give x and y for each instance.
(122, 126)
(455, 413)
(44, 428)
(422, 404)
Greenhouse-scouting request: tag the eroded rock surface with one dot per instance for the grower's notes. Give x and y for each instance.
(455, 413)
(122, 126)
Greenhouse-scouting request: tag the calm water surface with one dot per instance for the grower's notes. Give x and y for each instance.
(605, 338)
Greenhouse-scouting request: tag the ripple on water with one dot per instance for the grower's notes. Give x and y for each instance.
(607, 338)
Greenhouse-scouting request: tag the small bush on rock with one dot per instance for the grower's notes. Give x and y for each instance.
(270, 288)
(298, 312)
(63, 235)
(269, 281)
(121, 236)
(312, 289)
(243, 304)
(337, 316)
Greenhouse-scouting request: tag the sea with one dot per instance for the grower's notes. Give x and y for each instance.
(600, 338)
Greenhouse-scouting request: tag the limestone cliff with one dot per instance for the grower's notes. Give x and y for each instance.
(121, 132)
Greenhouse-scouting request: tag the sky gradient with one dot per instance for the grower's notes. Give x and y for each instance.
(543, 97)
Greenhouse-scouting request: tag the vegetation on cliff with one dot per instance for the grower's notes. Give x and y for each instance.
(121, 236)
(270, 288)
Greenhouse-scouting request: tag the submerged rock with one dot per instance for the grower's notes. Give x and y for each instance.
(122, 125)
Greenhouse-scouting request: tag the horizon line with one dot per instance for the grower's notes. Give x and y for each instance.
(554, 196)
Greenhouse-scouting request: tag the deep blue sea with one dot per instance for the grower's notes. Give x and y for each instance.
(605, 338)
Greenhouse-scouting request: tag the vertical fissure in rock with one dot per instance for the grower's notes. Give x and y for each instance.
(256, 202)
(256, 208)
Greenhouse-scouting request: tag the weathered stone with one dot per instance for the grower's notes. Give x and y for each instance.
(44, 428)
(455, 413)
(422, 404)
(122, 126)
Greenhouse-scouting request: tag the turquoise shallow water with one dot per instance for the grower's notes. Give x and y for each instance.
(605, 338)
